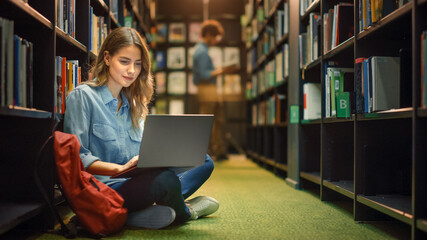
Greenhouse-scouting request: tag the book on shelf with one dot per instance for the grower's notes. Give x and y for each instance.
(312, 101)
(337, 25)
(66, 16)
(216, 55)
(359, 91)
(190, 54)
(231, 56)
(97, 31)
(128, 21)
(160, 78)
(315, 22)
(177, 32)
(232, 84)
(337, 79)
(16, 68)
(344, 101)
(115, 8)
(176, 83)
(160, 106)
(279, 67)
(160, 59)
(385, 83)
(161, 32)
(423, 69)
(248, 90)
(176, 57)
(194, 31)
(302, 50)
(176, 106)
(281, 21)
(68, 77)
(371, 11)
(270, 75)
(381, 81)
(192, 88)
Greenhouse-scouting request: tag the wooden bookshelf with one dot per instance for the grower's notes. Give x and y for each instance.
(375, 160)
(343, 187)
(28, 128)
(396, 206)
(267, 141)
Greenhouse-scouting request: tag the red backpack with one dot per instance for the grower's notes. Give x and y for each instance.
(99, 208)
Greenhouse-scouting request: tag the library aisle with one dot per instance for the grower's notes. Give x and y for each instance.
(256, 204)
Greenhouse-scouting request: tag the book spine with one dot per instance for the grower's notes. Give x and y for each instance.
(359, 85)
(424, 69)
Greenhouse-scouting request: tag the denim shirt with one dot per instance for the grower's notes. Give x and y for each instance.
(202, 65)
(104, 133)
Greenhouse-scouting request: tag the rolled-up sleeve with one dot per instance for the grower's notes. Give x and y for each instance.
(77, 121)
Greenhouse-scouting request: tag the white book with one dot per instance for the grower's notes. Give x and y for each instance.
(176, 106)
(176, 57)
(176, 83)
(231, 56)
(312, 101)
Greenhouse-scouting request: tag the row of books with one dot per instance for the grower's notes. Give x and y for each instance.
(174, 57)
(271, 111)
(97, 31)
(371, 11)
(16, 67)
(180, 83)
(424, 69)
(378, 84)
(272, 74)
(66, 16)
(68, 76)
(177, 32)
(337, 25)
(271, 34)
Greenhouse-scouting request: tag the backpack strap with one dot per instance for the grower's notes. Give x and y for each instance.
(65, 231)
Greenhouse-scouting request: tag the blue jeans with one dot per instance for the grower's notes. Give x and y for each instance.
(165, 187)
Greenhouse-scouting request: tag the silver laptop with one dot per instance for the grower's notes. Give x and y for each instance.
(172, 141)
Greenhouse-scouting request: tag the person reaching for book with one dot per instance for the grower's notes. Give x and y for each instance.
(107, 114)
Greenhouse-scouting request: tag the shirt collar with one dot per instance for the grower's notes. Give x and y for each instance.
(107, 97)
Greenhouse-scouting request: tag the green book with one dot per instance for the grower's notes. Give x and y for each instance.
(335, 87)
(128, 21)
(343, 104)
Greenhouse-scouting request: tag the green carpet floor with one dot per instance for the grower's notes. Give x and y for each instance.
(256, 204)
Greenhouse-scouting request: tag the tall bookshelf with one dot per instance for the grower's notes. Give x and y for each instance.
(26, 128)
(374, 161)
(267, 82)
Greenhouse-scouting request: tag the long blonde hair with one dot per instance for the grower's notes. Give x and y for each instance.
(139, 93)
